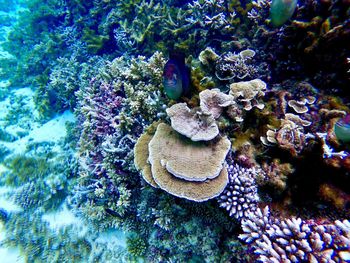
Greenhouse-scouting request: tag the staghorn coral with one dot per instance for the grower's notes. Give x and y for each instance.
(211, 15)
(294, 239)
(240, 196)
(141, 80)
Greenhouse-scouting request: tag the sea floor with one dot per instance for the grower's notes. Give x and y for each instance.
(21, 124)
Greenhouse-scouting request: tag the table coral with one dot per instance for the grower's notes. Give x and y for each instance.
(187, 160)
(193, 123)
(213, 101)
(179, 172)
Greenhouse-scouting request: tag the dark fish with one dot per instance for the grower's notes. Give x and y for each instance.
(342, 129)
(176, 77)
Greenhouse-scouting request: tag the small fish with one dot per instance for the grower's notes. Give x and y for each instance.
(176, 77)
(342, 129)
(281, 11)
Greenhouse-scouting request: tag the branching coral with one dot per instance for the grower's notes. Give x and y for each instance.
(240, 196)
(109, 110)
(294, 239)
(239, 66)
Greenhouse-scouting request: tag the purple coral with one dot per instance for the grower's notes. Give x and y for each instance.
(241, 193)
(295, 240)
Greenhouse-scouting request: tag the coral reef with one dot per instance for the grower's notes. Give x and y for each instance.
(266, 81)
(248, 93)
(194, 171)
(236, 66)
(240, 197)
(194, 124)
(294, 239)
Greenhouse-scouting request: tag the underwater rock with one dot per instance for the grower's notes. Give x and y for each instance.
(342, 129)
(176, 77)
(281, 11)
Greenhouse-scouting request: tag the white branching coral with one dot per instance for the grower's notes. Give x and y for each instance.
(295, 240)
(240, 195)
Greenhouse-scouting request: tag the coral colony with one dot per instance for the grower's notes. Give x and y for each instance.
(204, 131)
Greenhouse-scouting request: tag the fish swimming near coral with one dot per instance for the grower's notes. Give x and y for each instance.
(342, 129)
(281, 11)
(176, 77)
